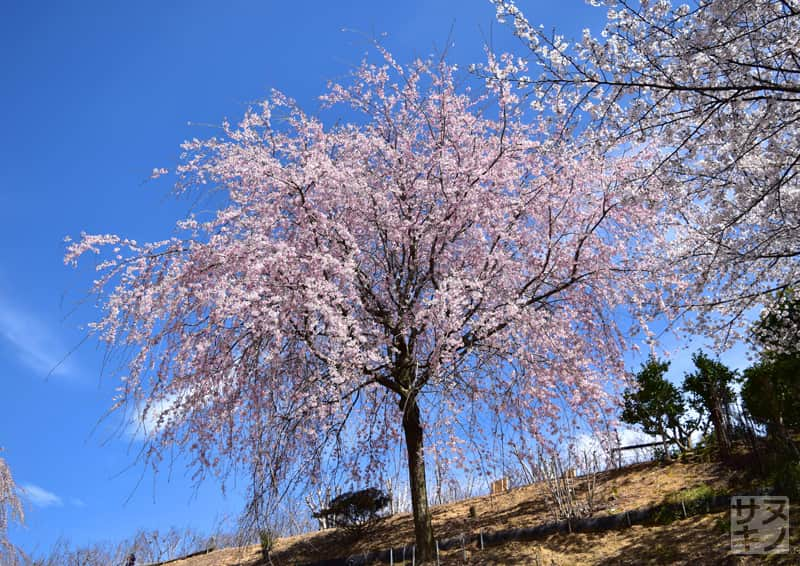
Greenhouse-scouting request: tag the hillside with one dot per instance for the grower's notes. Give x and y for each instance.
(702, 539)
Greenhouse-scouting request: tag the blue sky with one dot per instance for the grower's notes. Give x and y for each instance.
(94, 96)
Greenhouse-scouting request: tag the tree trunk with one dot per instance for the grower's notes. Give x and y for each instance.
(785, 438)
(680, 439)
(720, 428)
(423, 530)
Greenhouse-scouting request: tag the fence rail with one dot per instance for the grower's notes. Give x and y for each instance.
(638, 446)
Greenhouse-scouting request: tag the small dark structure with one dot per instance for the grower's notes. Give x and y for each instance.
(355, 508)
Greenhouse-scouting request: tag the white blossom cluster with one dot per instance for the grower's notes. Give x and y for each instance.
(10, 510)
(715, 86)
(778, 330)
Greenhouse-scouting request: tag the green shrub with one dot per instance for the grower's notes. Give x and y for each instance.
(666, 514)
(723, 524)
(785, 479)
(694, 500)
(267, 539)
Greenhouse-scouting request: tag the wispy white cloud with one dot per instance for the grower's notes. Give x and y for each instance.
(77, 502)
(160, 414)
(39, 496)
(34, 342)
(147, 424)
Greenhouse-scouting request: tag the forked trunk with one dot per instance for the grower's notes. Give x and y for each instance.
(423, 530)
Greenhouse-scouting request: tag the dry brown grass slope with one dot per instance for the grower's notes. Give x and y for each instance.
(698, 540)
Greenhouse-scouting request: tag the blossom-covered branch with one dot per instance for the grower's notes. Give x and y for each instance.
(10, 511)
(715, 84)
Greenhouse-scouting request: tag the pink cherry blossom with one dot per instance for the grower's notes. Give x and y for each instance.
(420, 274)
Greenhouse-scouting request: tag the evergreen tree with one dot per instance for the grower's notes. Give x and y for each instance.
(771, 387)
(710, 392)
(657, 405)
